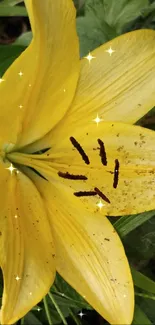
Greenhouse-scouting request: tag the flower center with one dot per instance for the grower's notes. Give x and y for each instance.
(32, 161)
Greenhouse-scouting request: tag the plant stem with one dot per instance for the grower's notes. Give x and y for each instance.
(75, 318)
(65, 296)
(58, 309)
(47, 311)
(144, 295)
(22, 321)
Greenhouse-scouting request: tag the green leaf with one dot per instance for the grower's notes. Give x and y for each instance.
(6, 10)
(140, 318)
(30, 319)
(126, 224)
(116, 13)
(54, 315)
(147, 305)
(10, 2)
(69, 302)
(8, 54)
(104, 20)
(79, 4)
(24, 40)
(142, 281)
(140, 243)
(92, 33)
(148, 9)
(74, 299)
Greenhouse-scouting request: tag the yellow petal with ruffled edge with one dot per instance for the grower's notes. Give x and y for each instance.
(89, 253)
(118, 159)
(26, 246)
(42, 81)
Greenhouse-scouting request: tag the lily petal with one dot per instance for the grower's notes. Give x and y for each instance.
(42, 81)
(116, 158)
(26, 246)
(119, 87)
(122, 164)
(89, 253)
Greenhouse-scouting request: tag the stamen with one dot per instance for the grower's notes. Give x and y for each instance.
(71, 176)
(102, 152)
(116, 173)
(85, 193)
(80, 150)
(103, 196)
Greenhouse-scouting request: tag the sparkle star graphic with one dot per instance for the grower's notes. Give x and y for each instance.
(89, 57)
(18, 278)
(100, 205)
(1, 80)
(110, 51)
(97, 120)
(20, 73)
(81, 314)
(11, 169)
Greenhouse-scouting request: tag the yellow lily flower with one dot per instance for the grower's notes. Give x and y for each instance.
(50, 99)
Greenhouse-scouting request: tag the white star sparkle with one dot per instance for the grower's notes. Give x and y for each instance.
(20, 106)
(110, 51)
(1, 80)
(11, 169)
(81, 314)
(18, 278)
(20, 73)
(39, 309)
(97, 120)
(100, 205)
(16, 216)
(89, 57)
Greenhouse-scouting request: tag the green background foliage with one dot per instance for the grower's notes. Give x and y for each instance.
(98, 21)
